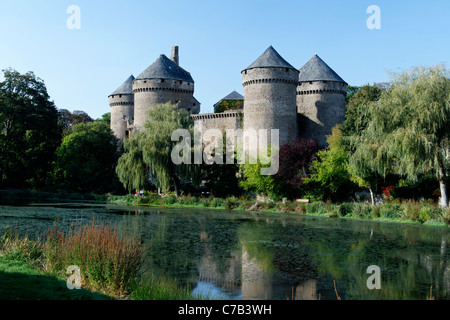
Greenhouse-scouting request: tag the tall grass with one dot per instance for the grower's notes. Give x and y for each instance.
(107, 262)
(154, 288)
(13, 247)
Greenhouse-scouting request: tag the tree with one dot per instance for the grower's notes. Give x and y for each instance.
(408, 132)
(358, 115)
(106, 117)
(68, 119)
(253, 181)
(357, 112)
(155, 145)
(87, 158)
(331, 169)
(29, 131)
(295, 164)
(131, 169)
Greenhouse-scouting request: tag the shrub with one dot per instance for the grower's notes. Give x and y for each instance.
(217, 202)
(389, 211)
(170, 199)
(445, 215)
(107, 262)
(344, 209)
(300, 208)
(361, 210)
(231, 203)
(429, 212)
(409, 210)
(375, 212)
(315, 208)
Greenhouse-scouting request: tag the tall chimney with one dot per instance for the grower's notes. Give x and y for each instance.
(174, 55)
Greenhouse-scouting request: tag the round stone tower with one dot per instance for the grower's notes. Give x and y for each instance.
(320, 100)
(121, 102)
(269, 96)
(163, 81)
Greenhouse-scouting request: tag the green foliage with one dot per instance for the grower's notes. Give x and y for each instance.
(331, 170)
(357, 112)
(29, 131)
(155, 288)
(152, 147)
(407, 132)
(67, 120)
(225, 105)
(253, 181)
(131, 168)
(86, 159)
(13, 247)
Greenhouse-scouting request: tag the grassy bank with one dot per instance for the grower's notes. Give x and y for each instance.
(405, 211)
(110, 267)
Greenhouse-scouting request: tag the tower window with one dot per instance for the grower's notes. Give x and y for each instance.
(162, 80)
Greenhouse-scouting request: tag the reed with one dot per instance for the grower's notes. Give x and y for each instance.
(107, 262)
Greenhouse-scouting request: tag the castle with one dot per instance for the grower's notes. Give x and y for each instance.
(306, 102)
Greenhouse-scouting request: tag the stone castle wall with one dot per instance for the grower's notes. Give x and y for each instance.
(122, 111)
(158, 91)
(322, 106)
(270, 101)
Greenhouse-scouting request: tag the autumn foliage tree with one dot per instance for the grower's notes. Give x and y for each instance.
(295, 165)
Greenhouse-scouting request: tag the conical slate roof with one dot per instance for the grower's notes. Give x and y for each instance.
(164, 68)
(125, 88)
(270, 58)
(317, 70)
(233, 96)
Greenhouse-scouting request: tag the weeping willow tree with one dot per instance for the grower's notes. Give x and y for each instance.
(131, 168)
(157, 145)
(148, 153)
(409, 131)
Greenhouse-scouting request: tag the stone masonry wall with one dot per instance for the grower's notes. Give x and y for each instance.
(157, 91)
(270, 101)
(322, 104)
(122, 111)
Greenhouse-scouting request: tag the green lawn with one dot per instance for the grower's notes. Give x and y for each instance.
(20, 281)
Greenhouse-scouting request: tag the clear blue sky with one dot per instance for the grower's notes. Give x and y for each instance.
(217, 40)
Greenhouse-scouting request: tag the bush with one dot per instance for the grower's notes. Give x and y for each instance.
(409, 210)
(231, 203)
(315, 208)
(106, 261)
(429, 212)
(344, 209)
(389, 211)
(445, 215)
(170, 199)
(361, 210)
(217, 202)
(375, 212)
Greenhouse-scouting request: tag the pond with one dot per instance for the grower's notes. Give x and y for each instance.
(239, 255)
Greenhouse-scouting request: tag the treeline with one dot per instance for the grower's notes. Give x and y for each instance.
(49, 149)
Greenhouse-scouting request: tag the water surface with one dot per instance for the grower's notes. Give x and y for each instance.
(237, 255)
